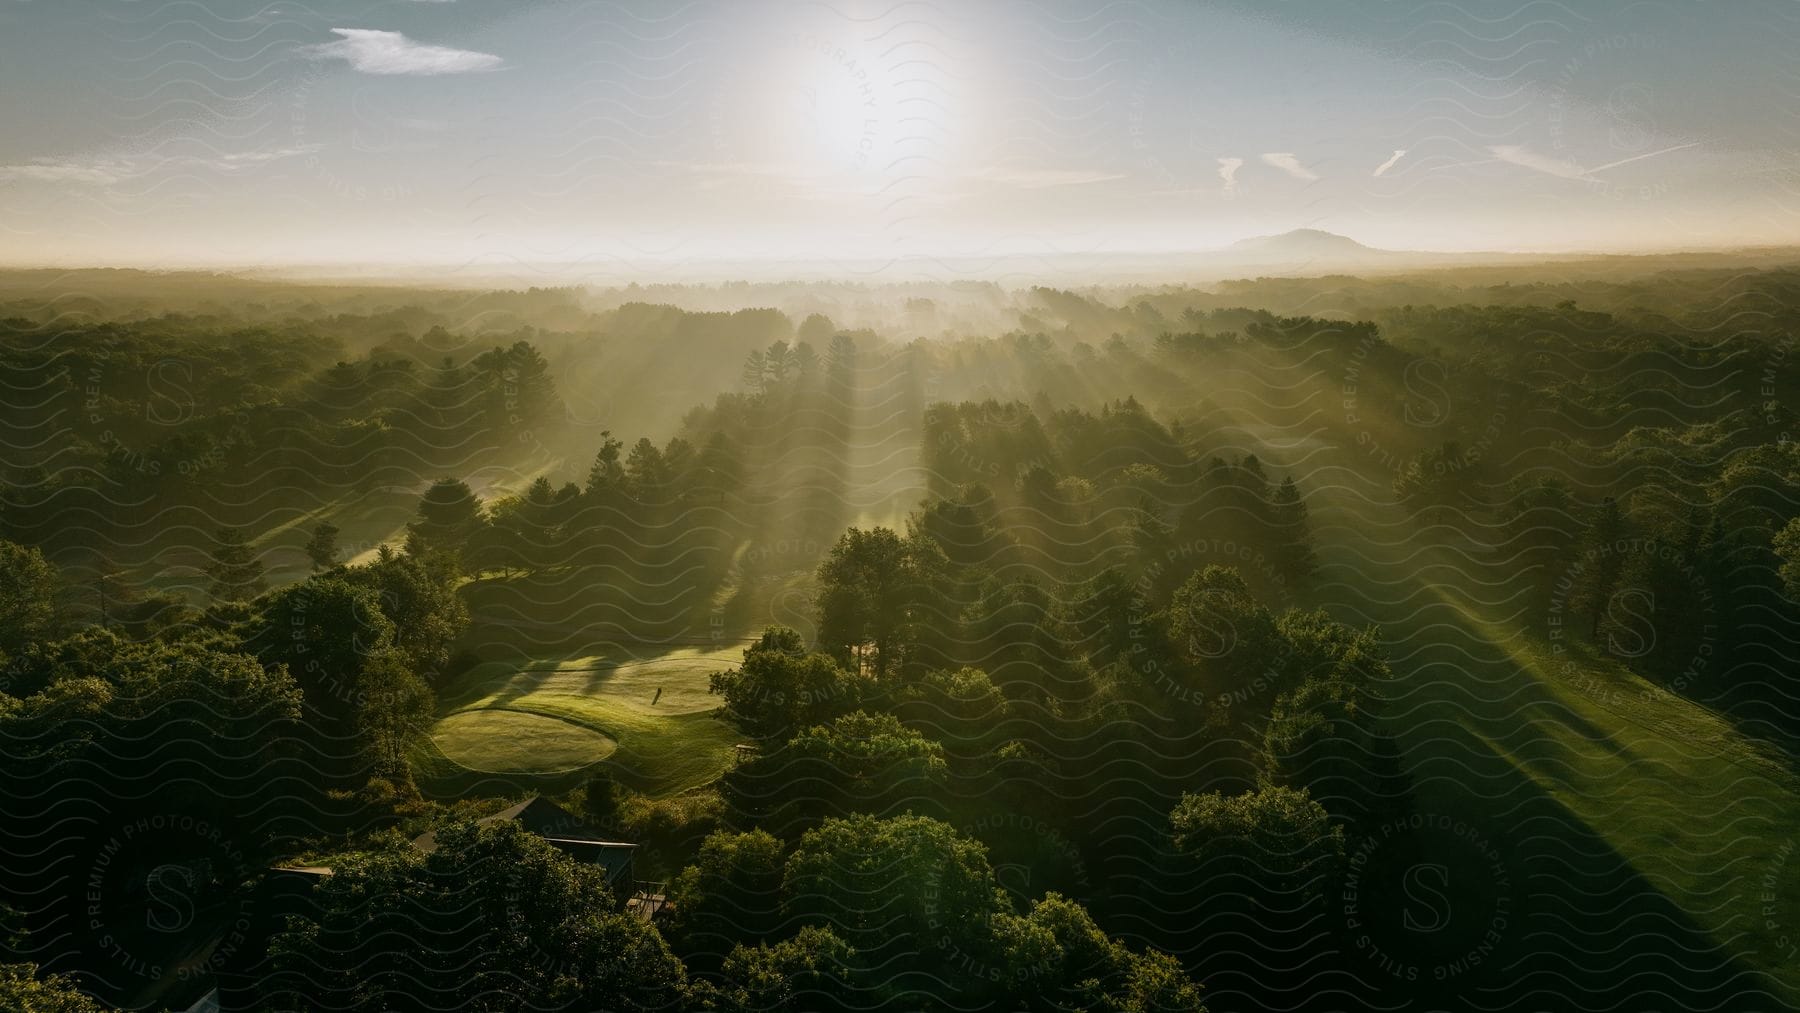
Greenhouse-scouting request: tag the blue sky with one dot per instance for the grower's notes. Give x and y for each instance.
(635, 136)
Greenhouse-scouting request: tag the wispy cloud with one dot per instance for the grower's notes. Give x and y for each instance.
(1647, 154)
(103, 171)
(1524, 157)
(1228, 168)
(1286, 162)
(241, 159)
(1399, 153)
(377, 52)
(89, 172)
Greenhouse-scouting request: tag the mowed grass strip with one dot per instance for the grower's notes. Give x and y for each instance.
(1708, 816)
(1705, 813)
(660, 744)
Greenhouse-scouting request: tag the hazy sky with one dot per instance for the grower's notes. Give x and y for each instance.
(502, 133)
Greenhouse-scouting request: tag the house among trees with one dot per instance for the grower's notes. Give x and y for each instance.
(287, 891)
(571, 836)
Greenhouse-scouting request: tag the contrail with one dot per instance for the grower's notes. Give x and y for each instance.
(1634, 158)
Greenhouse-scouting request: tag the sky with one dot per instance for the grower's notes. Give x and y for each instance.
(882, 138)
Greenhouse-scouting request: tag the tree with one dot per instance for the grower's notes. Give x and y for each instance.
(322, 547)
(427, 613)
(777, 363)
(41, 663)
(1235, 502)
(1787, 549)
(508, 541)
(606, 477)
(1326, 737)
(22, 990)
(1438, 478)
(29, 590)
(1151, 539)
(860, 762)
(326, 631)
(871, 755)
(520, 391)
(962, 706)
(183, 727)
(236, 572)
(1279, 837)
(811, 970)
(730, 894)
(1057, 958)
(1292, 534)
(449, 518)
(933, 882)
(514, 925)
(647, 472)
(147, 739)
(1540, 527)
(1219, 628)
(718, 469)
(1318, 647)
(601, 798)
(1600, 565)
(816, 329)
(964, 528)
(869, 587)
(805, 362)
(1262, 861)
(1103, 615)
(840, 377)
(756, 370)
(781, 687)
(392, 706)
(840, 359)
(941, 914)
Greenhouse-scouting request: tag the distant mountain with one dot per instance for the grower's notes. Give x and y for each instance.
(1304, 243)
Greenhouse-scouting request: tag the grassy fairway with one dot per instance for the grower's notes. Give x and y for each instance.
(548, 716)
(1633, 813)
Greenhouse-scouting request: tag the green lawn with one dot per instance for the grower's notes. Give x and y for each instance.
(554, 715)
(512, 742)
(1614, 791)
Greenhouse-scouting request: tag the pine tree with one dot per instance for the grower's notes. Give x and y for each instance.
(755, 371)
(840, 363)
(1600, 565)
(1293, 546)
(1539, 524)
(322, 547)
(606, 476)
(450, 519)
(236, 572)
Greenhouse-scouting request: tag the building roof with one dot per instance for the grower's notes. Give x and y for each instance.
(560, 827)
(646, 906)
(303, 870)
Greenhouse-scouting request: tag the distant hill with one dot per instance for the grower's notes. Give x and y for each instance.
(1304, 243)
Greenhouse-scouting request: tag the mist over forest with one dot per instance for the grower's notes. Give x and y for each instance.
(1187, 644)
(1175, 506)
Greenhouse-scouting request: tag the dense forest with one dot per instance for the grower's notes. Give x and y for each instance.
(1411, 642)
